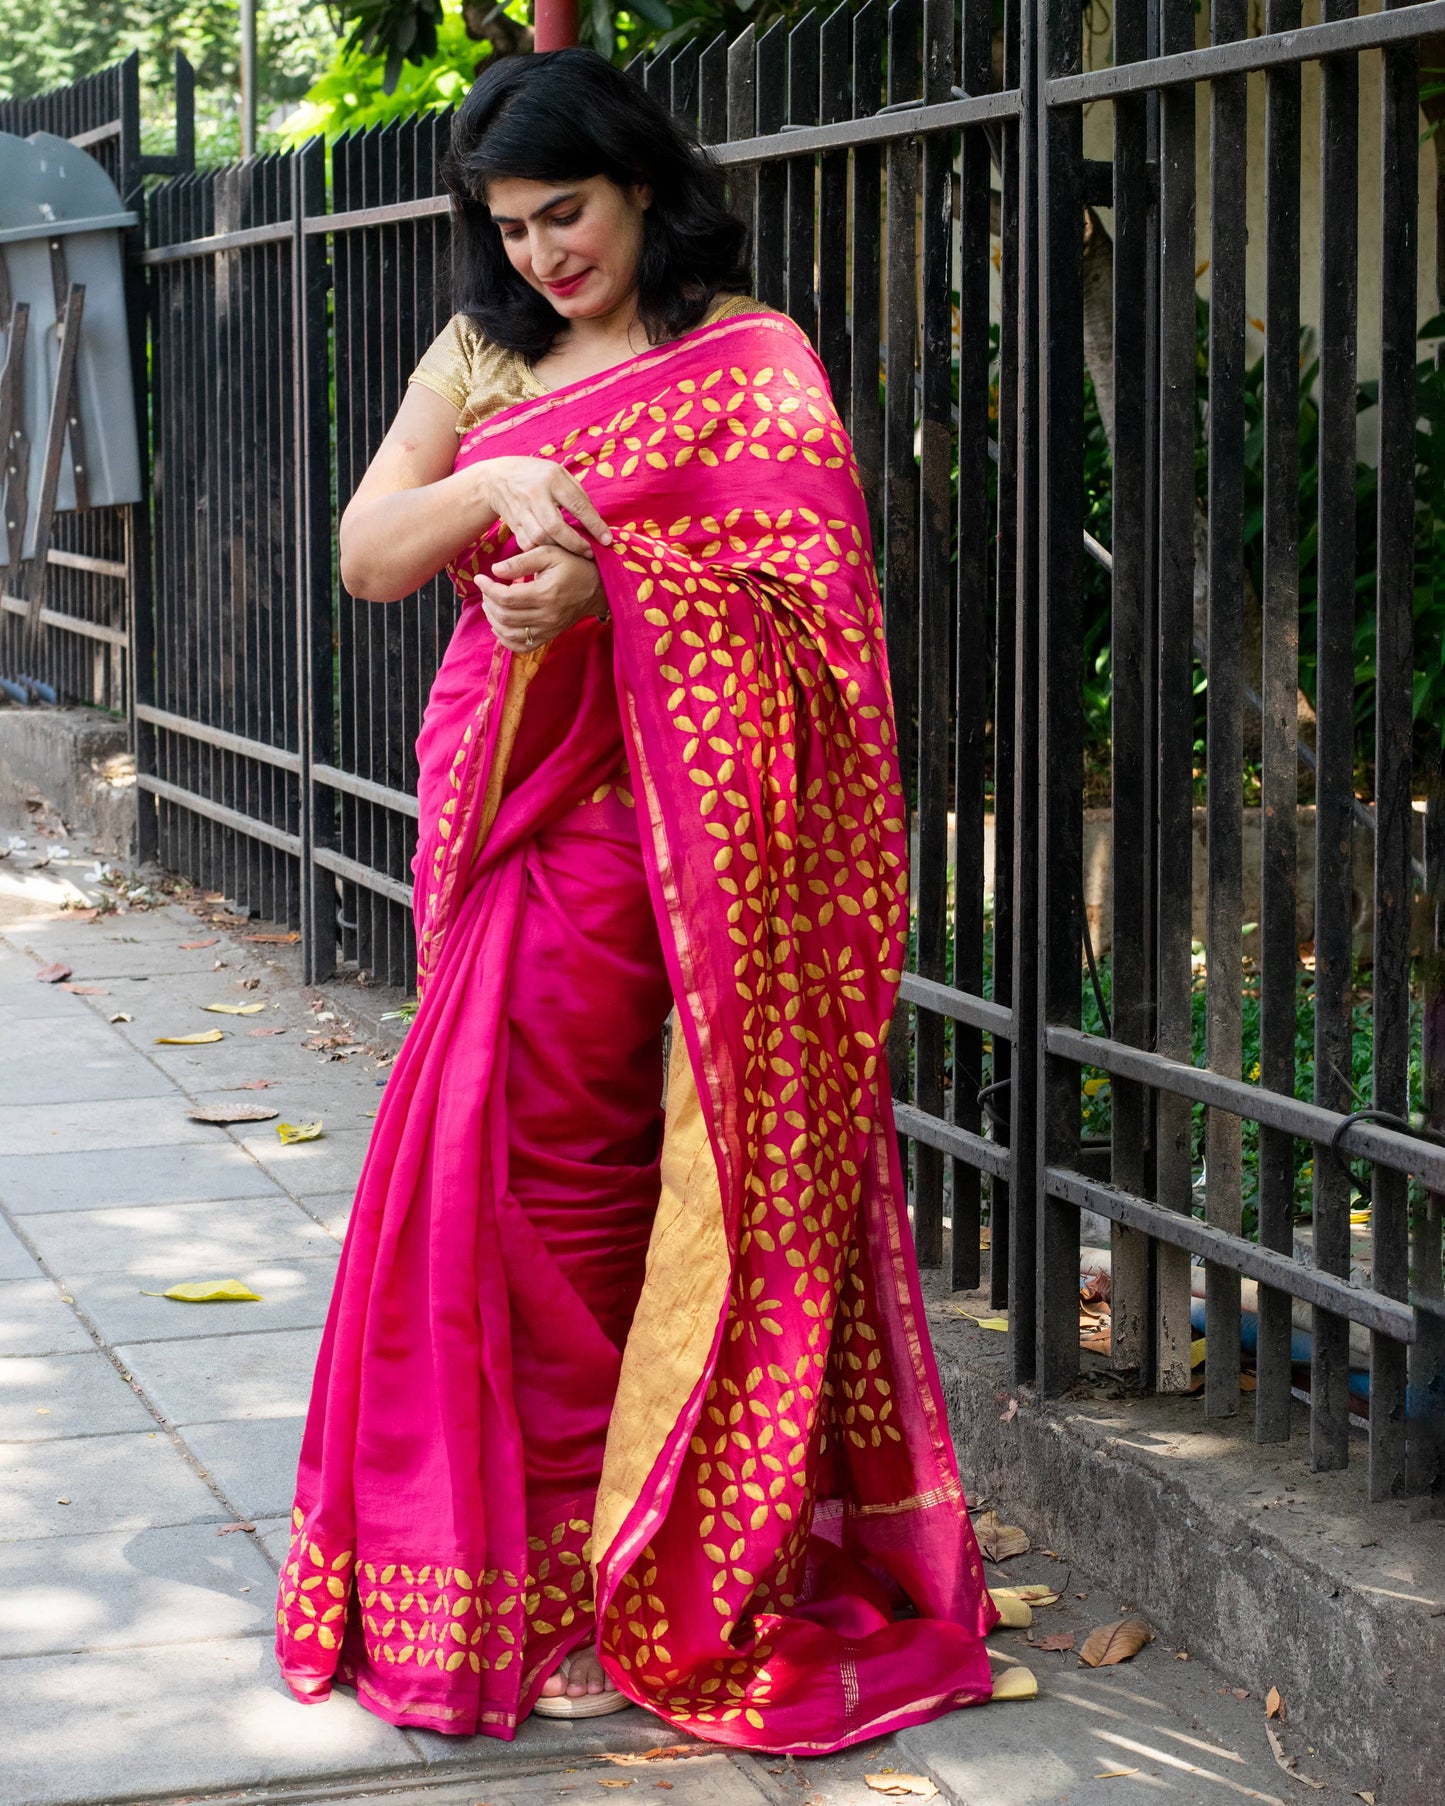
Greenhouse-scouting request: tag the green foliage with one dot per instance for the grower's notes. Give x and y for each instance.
(45, 47)
(351, 93)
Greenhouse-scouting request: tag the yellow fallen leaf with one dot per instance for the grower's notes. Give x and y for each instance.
(1035, 1593)
(298, 1131)
(918, 1786)
(234, 1009)
(1115, 1774)
(208, 1291)
(1016, 1683)
(614, 1784)
(197, 1040)
(1117, 1642)
(1196, 1352)
(990, 1322)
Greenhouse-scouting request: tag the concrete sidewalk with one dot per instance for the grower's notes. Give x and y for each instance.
(148, 1448)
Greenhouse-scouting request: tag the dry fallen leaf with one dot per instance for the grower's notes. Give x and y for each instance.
(122, 1016)
(52, 974)
(1365, 1795)
(1060, 1640)
(614, 1783)
(1035, 1593)
(298, 1131)
(208, 1291)
(273, 940)
(914, 1786)
(256, 1084)
(1110, 1643)
(1115, 1774)
(227, 1113)
(257, 1032)
(191, 946)
(234, 1009)
(1011, 1413)
(86, 990)
(1290, 1764)
(1100, 1343)
(203, 1039)
(1240, 1692)
(1274, 1705)
(229, 1529)
(999, 1541)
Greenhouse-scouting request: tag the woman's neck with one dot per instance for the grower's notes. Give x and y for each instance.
(593, 345)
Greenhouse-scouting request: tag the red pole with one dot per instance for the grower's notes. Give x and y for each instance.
(554, 24)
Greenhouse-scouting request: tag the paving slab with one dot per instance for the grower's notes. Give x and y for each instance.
(183, 1240)
(130, 947)
(77, 1074)
(208, 1378)
(16, 1261)
(35, 1320)
(127, 1588)
(252, 1460)
(331, 1209)
(308, 1167)
(173, 1720)
(100, 1123)
(713, 1778)
(132, 1482)
(45, 1396)
(91, 1180)
(22, 1000)
(293, 1295)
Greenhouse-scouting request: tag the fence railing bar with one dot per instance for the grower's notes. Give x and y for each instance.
(1374, 1310)
(52, 617)
(1370, 31)
(97, 134)
(218, 737)
(877, 128)
(369, 792)
(277, 232)
(364, 875)
(1305, 1121)
(220, 814)
(82, 561)
(989, 1156)
(962, 1006)
(389, 213)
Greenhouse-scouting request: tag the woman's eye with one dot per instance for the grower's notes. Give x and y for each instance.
(566, 219)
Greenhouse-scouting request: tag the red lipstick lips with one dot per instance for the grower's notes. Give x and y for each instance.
(569, 285)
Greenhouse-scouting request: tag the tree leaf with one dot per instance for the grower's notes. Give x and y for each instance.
(52, 974)
(1060, 1640)
(207, 1291)
(224, 1113)
(191, 946)
(1117, 1642)
(298, 1131)
(86, 990)
(234, 1009)
(256, 1032)
(1274, 1706)
(198, 1040)
(999, 1541)
(917, 1787)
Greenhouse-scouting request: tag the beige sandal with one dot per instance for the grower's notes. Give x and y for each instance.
(580, 1705)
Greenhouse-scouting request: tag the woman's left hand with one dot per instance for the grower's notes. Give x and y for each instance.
(535, 596)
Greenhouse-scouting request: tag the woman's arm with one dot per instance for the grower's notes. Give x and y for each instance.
(412, 513)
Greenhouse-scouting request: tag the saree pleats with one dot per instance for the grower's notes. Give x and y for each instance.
(586, 1375)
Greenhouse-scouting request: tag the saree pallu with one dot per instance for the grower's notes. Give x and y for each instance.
(733, 1475)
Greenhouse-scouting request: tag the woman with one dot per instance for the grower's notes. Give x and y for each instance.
(613, 1407)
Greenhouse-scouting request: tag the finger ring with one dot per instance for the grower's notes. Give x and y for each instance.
(529, 639)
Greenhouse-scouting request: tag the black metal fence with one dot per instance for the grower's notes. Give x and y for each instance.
(880, 156)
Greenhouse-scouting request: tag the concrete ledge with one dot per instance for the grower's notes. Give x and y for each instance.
(1235, 1550)
(79, 761)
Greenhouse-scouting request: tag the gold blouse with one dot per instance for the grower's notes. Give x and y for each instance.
(479, 379)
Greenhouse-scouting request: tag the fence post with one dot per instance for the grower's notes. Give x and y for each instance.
(312, 476)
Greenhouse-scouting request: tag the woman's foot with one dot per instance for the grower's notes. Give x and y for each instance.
(579, 1689)
(580, 1674)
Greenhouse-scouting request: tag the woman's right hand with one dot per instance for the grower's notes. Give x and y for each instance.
(531, 494)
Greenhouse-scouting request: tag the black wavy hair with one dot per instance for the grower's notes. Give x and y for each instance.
(562, 116)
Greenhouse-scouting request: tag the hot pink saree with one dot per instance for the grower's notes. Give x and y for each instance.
(590, 1375)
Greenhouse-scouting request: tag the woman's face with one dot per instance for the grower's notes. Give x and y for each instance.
(577, 243)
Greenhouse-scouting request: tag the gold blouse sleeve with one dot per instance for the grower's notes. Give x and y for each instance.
(446, 366)
(478, 378)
